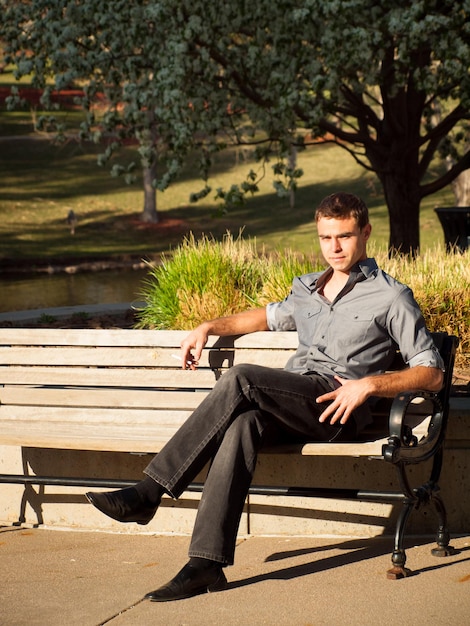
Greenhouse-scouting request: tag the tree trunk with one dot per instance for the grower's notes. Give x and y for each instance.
(396, 161)
(292, 162)
(461, 185)
(150, 214)
(403, 209)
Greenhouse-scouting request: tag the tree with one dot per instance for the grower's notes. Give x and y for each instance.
(461, 184)
(366, 75)
(108, 49)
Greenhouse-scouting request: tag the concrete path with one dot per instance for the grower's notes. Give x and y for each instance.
(57, 578)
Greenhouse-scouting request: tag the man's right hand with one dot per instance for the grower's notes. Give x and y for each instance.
(193, 345)
(237, 324)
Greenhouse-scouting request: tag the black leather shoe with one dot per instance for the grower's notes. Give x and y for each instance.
(124, 505)
(190, 581)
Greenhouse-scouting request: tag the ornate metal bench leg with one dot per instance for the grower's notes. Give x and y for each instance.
(443, 536)
(399, 555)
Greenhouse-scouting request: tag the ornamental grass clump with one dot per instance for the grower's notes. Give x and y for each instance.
(441, 286)
(205, 278)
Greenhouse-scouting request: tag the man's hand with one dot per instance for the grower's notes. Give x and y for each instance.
(350, 395)
(353, 393)
(196, 340)
(237, 324)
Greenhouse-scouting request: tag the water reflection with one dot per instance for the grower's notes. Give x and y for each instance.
(24, 292)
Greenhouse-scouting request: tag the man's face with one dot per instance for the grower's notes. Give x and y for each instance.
(342, 242)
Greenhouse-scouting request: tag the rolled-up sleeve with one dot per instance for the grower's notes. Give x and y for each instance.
(279, 316)
(409, 328)
(427, 358)
(271, 315)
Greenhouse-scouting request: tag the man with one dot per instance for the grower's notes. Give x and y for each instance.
(350, 319)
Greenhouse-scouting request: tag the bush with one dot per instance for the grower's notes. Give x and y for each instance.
(205, 279)
(441, 286)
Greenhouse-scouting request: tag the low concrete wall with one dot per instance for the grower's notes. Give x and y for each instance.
(55, 506)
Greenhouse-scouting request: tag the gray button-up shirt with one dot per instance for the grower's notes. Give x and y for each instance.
(358, 333)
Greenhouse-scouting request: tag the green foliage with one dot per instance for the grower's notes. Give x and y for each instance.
(80, 316)
(388, 82)
(47, 319)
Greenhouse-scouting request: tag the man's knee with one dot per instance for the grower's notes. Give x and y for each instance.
(243, 373)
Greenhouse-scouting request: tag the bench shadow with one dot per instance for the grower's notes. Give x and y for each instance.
(357, 550)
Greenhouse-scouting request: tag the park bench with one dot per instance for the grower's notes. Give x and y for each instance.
(124, 390)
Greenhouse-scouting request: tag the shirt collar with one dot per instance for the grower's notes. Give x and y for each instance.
(359, 272)
(367, 267)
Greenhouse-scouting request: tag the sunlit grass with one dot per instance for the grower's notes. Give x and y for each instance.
(441, 286)
(41, 182)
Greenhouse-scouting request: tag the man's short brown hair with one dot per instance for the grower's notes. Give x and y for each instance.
(342, 205)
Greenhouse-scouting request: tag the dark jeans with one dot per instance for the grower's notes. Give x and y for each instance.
(249, 406)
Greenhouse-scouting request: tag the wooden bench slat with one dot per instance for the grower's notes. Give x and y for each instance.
(87, 437)
(90, 337)
(127, 398)
(98, 416)
(143, 432)
(148, 438)
(112, 377)
(105, 356)
(131, 337)
(100, 357)
(122, 430)
(356, 450)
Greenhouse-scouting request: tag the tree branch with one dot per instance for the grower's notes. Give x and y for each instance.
(364, 114)
(447, 178)
(434, 137)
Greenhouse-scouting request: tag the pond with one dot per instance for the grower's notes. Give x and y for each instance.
(37, 291)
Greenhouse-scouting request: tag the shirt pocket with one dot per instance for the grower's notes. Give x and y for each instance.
(308, 321)
(350, 334)
(310, 311)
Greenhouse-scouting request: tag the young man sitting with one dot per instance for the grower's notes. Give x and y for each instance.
(350, 319)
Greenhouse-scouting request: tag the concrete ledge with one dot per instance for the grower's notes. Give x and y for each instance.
(291, 516)
(33, 315)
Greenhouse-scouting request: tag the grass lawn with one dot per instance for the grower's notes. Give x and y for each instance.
(42, 181)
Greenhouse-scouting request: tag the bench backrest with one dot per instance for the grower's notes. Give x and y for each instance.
(104, 389)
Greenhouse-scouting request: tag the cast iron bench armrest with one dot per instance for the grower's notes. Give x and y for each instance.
(402, 445)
